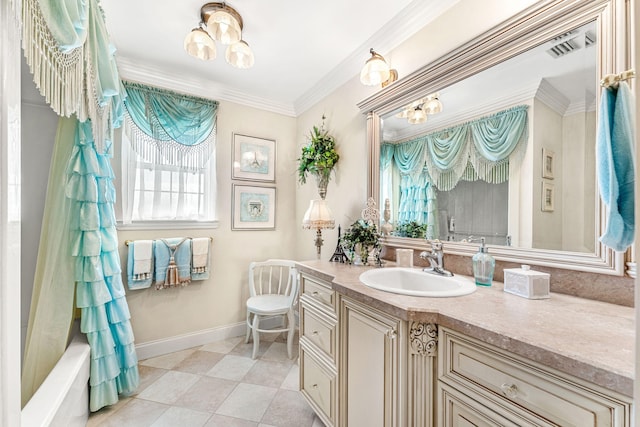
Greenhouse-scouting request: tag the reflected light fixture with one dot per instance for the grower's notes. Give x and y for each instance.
(318, 216)
(222, 23)
(376, 71)
(417, 111)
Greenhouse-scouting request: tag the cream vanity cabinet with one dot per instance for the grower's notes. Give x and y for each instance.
(480, 385)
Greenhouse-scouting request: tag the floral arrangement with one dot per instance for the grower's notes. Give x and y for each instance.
(411, 229)
(319, 157)
(361, 238)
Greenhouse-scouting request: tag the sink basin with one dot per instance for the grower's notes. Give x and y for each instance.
(411, 281)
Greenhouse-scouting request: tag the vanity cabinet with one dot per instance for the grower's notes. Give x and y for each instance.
(370, 366)
(482, 385)
(318, 347)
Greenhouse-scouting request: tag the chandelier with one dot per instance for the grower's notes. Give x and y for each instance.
(222, 23)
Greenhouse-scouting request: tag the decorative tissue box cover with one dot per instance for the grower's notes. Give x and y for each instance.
(526, 283)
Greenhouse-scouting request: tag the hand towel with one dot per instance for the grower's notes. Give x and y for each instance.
(200, 258)
(616, 165)
(138, 280)
(142, 255)
(172, 256)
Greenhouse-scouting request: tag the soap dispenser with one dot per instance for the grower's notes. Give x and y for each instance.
(483, 265)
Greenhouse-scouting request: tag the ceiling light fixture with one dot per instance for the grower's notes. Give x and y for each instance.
(417, 111)
(221, 23)
(376, 71)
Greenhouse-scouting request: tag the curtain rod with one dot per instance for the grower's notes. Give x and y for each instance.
(128, 242)
(612, 80)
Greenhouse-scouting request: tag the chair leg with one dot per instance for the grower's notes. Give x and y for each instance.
(246, 338)
(256, 335)
(291, 324)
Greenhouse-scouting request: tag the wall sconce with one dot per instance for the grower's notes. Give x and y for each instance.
(417, 111)
(376, 71)
(318, 217)
(221, 23)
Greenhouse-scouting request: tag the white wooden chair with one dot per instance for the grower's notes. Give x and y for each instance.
(273, 288)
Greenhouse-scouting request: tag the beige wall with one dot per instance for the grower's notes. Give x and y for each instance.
(219, 301)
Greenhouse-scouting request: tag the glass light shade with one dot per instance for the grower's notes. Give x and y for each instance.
(318, 215)
(224, 28)
(433, 106)
(416, 116)
(240, 55)
(375, 71)
(199, 44)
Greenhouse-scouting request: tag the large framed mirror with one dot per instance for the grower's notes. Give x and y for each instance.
(544, 209)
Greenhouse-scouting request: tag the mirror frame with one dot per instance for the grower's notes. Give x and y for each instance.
(533, 26)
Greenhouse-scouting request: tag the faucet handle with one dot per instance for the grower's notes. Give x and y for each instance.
(436, 245)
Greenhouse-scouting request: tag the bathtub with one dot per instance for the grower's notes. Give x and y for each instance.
(63, 398)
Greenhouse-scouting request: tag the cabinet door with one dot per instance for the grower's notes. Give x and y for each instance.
(370, 366)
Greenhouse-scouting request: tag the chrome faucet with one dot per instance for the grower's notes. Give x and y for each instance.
(436, 259)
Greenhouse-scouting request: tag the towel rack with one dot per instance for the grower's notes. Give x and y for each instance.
(127, 242)
(612, 80)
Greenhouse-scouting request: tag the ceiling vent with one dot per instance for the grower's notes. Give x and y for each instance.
(564, 48)
(589, 38)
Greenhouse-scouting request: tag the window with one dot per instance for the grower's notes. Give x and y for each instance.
(156, 192)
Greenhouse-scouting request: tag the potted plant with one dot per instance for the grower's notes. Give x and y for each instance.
(360, 240)
(318, 158)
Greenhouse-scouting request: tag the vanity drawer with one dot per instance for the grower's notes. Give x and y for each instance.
(318, 385)
(503, 377)
(319, 329)
(318, 291)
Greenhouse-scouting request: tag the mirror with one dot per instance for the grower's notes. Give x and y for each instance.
(549, 58)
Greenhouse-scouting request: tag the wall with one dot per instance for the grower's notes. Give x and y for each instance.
(205, 306)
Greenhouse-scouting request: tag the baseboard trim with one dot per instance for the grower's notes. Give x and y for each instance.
(164, 346)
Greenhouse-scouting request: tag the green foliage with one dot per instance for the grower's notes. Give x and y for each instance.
(364, 234)
(411, 229)
(319, 157)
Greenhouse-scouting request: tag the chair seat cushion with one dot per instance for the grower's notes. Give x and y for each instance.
(268, 304)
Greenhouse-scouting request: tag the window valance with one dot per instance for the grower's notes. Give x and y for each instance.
(170, 128)
(480, 149)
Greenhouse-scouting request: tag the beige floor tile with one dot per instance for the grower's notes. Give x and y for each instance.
(97, 418)
(199, 362)
(168, 361)
(169, 387)
(207, 394)
(292, 382)
(317, 423)
(246, 350)
(268, 373)
(278, 352)
(183, 417)
(247, 401)
(232, 367)
(222, 346)
(289, 409)
(148, 375)
(136, 413)
(222, 421)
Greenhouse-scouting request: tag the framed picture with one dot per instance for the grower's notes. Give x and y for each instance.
(254, 208)
(548, 196)
(548, 163)
(254, 159)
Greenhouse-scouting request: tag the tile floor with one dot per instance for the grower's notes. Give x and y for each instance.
(216, 385)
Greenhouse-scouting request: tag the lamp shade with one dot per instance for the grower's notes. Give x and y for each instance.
(224, 27)
(375, 70)
(318, 215)
(240, 55)
(433, 106)
(200, 45)
(417, 115)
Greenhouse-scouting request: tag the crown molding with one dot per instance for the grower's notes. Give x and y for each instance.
(141, 73)
(410, 20)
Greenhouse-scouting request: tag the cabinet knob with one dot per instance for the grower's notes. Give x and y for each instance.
(315, 386)
(314, 333)
(509, 390)
(392, 334)
(315, 293)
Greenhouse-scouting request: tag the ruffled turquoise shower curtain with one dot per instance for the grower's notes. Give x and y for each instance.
(67, 49)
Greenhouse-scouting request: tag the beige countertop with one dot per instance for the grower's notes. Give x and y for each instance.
(588, 339)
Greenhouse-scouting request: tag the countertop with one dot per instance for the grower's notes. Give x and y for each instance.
(590, 340)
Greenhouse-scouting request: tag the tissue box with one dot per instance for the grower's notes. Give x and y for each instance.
(526, 283)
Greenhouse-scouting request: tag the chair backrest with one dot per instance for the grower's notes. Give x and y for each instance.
(274, 276)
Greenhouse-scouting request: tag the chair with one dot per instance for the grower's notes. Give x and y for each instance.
(273, 288)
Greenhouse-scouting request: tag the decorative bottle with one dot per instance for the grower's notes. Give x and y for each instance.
(483, 266)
